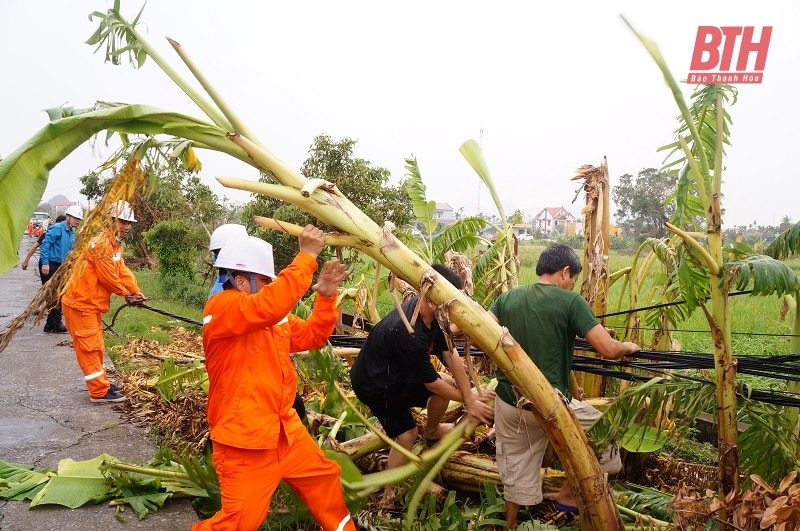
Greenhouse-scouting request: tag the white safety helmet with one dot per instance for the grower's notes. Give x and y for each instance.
(75, 211)
(225, 233)
(122, 210)
(250, 254)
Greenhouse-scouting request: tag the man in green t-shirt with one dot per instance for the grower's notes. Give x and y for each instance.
(544, 318)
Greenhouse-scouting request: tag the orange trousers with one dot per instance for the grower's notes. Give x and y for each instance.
(248, 479)
(86, 329)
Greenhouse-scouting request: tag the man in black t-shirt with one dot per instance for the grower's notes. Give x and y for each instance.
(393, 373)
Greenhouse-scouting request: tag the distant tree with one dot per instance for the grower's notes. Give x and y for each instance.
(172, 193)
(517, 217)
(642, 208)
(203, 204)
(493, 218)
(365, 185)
(94, 188)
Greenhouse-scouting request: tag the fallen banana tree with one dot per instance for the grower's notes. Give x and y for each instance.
(32, 162)
(356, 230)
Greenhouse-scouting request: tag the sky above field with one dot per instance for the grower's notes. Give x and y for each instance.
(544, 87)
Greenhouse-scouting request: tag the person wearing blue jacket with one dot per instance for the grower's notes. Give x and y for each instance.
(222, 235)
(56, 244)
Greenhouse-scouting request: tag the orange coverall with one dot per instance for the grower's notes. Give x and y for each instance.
(258, 438)
(99, 272)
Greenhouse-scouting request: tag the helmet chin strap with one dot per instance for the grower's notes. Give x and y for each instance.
(252, 276)
(253, 283)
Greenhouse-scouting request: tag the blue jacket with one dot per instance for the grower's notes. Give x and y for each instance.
(58, 241)
(217, 287)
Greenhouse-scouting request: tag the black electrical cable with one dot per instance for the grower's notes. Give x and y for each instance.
(169, 314)
(759, 395)
(665, 304)
(778, 367)
(646, 329)
(781, 367)
(143, 304)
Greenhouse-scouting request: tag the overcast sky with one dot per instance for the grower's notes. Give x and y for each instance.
(552, 86)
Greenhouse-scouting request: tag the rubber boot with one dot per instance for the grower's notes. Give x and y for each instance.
(54, 323)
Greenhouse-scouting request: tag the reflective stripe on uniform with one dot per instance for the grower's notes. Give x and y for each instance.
(94, 375)
(341, 525)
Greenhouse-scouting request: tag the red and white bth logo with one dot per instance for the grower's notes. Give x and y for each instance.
(714, 54)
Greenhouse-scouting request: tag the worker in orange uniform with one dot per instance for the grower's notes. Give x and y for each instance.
(248, 336)
(99, 272)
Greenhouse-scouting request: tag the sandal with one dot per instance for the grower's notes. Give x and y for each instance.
(568, 509)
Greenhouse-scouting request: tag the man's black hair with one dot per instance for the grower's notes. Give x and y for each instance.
(557, 257)
(449, 275)
(60, 218)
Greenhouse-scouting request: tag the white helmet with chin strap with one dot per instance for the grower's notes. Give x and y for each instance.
(75, 211)
(225, 233)
(122, 210)
(250, 254)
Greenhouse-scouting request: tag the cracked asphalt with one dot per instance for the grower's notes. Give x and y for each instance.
(46, 416)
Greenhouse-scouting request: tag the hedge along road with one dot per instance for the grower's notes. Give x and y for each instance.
(46, 416)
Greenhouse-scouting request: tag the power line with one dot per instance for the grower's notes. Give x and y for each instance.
(781, 367)
(647, 329)
(665, 304)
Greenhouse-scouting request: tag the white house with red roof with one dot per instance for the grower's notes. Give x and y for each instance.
(557, 219)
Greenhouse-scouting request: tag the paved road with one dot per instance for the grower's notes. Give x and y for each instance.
(46, 416)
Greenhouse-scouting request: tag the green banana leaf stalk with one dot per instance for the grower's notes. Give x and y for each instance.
(704, 269)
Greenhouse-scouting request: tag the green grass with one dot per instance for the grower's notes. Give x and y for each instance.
(140, 322)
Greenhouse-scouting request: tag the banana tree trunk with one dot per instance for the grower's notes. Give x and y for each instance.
(360, 446)
(725, 375)
(794, 346)
(718, 318)
(598, 510)
(594, 287)
(724, 362)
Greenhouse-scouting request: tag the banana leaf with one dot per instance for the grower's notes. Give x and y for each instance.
(643, 439)
(25, 172)
(20, 482)
(143, 503)
(75, 484)
(173, 379)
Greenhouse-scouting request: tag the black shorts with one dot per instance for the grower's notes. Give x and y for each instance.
(393, 407)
